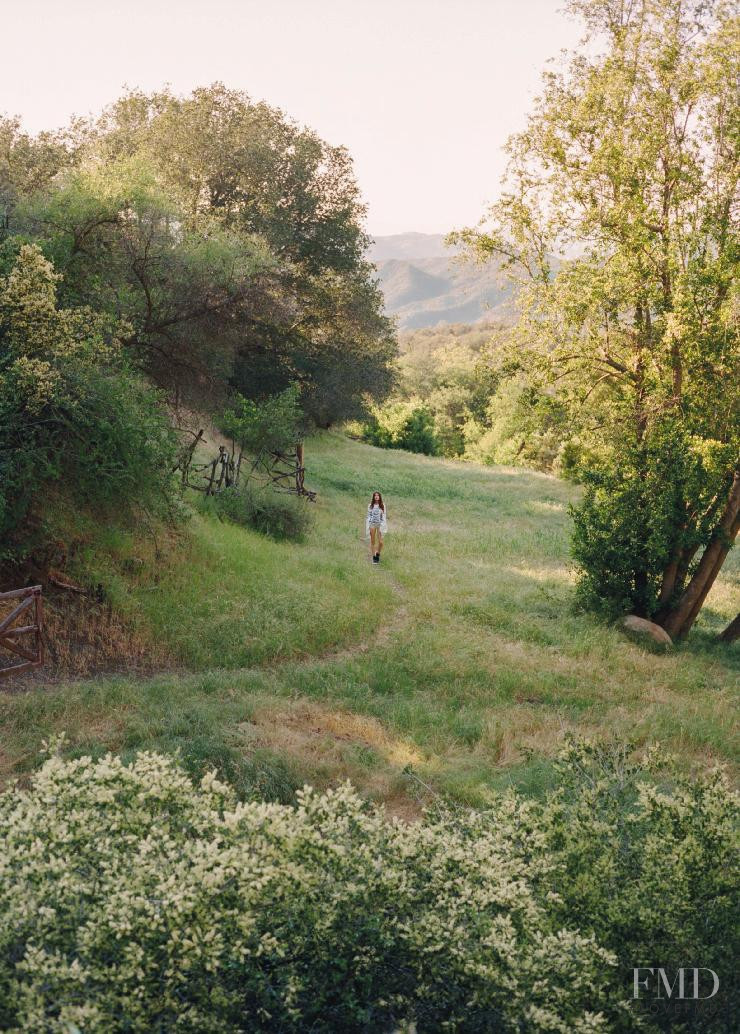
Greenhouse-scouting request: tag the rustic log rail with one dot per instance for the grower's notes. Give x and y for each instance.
(287, 472)
(30, 599)
(284, 470)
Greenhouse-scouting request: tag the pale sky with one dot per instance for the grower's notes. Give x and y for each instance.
(422, 92)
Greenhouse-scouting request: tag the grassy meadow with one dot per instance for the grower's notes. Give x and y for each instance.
(456, 667)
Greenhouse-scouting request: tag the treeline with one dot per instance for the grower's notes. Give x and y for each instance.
(178, 251)
(461, 393)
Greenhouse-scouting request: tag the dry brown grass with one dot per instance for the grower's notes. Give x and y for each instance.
(329, 745)
(83, 637)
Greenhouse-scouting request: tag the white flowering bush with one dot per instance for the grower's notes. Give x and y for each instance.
(133, 900)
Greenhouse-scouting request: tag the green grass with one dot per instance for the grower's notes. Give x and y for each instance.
(458, 666)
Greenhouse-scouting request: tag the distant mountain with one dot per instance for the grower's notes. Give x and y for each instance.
(408, 246)
(406, 283)
(425, 284)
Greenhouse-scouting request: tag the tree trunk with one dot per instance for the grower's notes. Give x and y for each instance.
(698, 603)
(680, 619)
(673, 578)
(641, 341)
(732, 631)
(668, 585)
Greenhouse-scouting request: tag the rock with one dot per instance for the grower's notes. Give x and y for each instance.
(642, 630)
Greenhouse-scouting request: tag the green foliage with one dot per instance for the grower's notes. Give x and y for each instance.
(272, 425)
(323, 917)
(124, 246)
(522, 424)
(632, 520)
(442, 371)
(480, 401)
(27, 164)
(402, 425)
(651, 871)
(328, 916)
(277, 514)
(228, 238)
(433, 357)
(76, 420)
(638, 331)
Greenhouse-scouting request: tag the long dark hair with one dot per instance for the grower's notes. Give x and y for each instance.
(380, 500)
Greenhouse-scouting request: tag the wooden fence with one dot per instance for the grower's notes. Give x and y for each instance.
(24, 656)
(284, 470)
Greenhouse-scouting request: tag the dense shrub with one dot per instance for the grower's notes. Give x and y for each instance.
(132, 900)
(272, 425)
(402, 425)
(277, 514)
(632, 521)
(652, 873)
(177, 907)
(521, 425)
(74, 417)
(477, 399)
(448, 372)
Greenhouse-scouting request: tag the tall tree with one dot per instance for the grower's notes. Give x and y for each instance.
(123, 247)
(630, 163)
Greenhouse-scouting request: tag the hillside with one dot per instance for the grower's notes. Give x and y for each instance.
(426, 284)
(457, 666)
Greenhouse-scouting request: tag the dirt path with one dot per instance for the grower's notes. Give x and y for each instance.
(316, 733)
(380, 637)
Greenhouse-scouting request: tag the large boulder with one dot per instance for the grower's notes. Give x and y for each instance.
(646, 632)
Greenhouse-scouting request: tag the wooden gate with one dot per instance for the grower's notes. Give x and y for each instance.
(30, 654)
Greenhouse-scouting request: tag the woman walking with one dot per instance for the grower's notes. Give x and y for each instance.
(375, 525)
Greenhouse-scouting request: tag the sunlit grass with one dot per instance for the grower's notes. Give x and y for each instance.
(457, 667)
